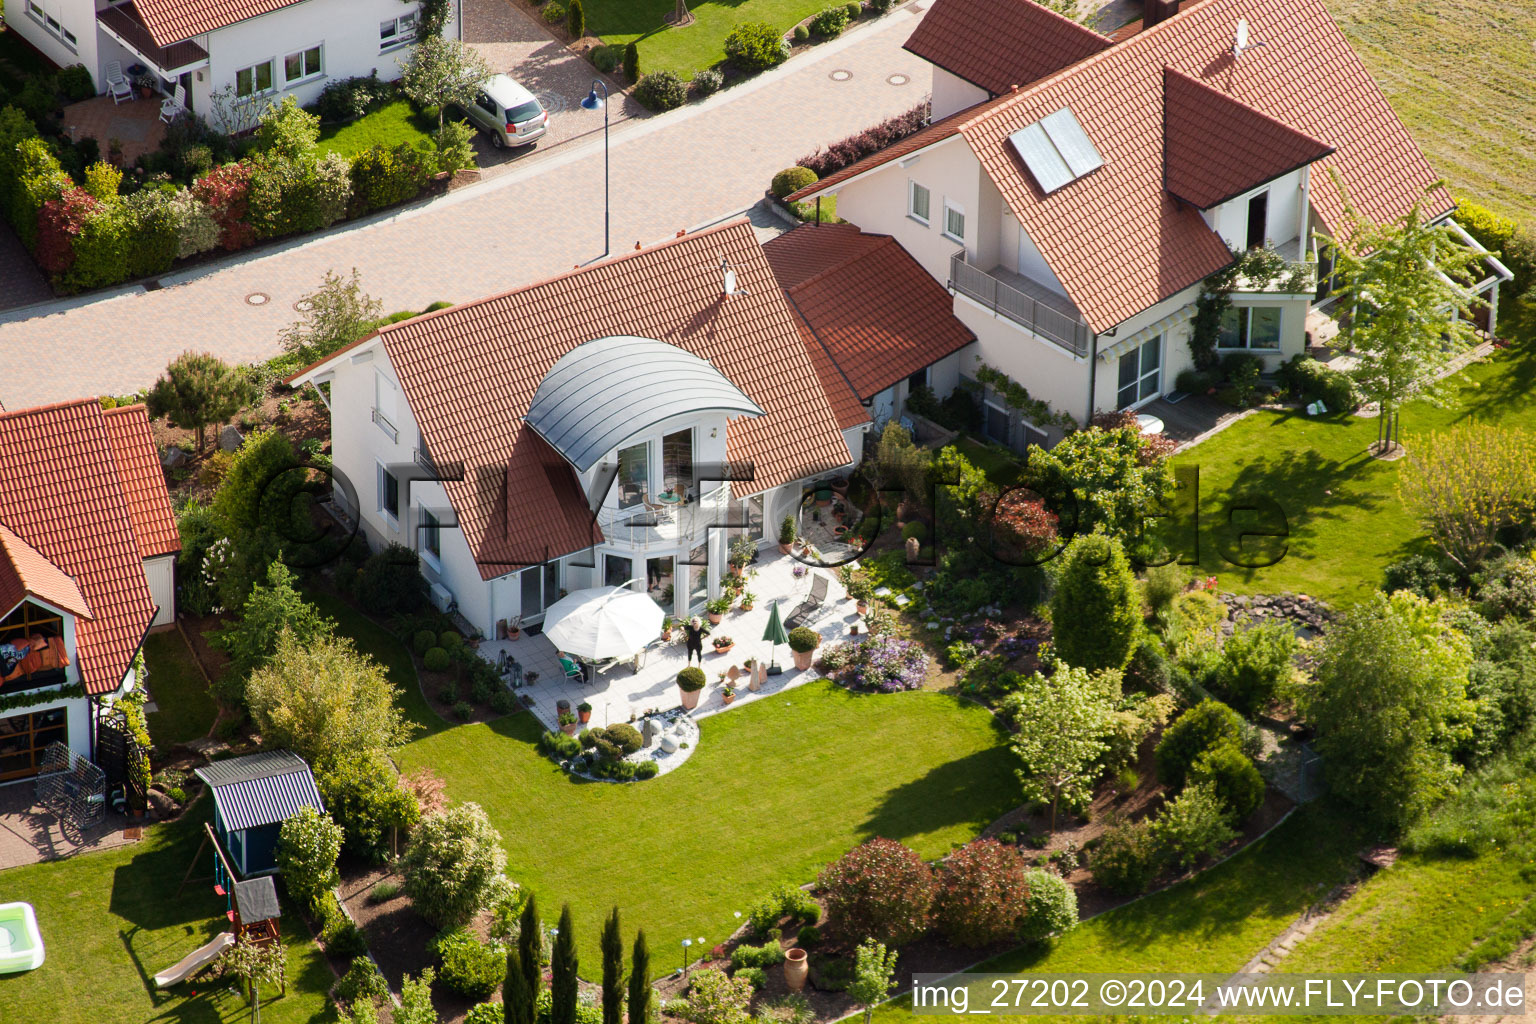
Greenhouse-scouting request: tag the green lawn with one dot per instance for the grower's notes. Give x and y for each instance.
(997, 463)
(696, 46)
(390, 125)
(1462, 76)
(1213, 923)
(1345, 520)
(111, 920)
(186, 710)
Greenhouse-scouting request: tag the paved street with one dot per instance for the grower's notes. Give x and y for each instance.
(683, 169)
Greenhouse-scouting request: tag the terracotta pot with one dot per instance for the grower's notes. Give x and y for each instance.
(714, 618)
(690, 698)
(513, 632)
(796, 968)
(785, 549)
(803, 659)
(726, 649)
(862, 606)
(584, 716)
(726, 698)
(569, 730)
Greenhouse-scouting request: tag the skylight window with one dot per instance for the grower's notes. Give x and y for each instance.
(1056, 150)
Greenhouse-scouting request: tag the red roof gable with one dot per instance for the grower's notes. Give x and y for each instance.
(171, 21)
(26, 572)
(881, 316)
(999, 45)
(1254, 148)
(138, 467)
(1115, 239)
(67, 502)
(470, 372)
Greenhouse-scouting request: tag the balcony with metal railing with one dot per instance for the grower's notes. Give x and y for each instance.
(646, 527)
(1031, 305)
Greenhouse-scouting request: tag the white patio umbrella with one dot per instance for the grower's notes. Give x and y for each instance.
(603, 622)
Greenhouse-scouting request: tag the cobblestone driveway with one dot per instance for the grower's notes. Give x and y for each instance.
(544, 215)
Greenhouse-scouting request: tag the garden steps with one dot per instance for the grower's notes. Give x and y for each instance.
(1268, 959)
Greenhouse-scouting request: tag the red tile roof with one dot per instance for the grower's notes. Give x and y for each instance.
(1001, 44)
(138, 467)
(469, 373)
(65, 498)
(1115, 239)
(881, 316)
(850, 412)
(26, 572)
(1255, 148)
(171, 21)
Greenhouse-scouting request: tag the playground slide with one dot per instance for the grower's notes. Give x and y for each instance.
(194, 961)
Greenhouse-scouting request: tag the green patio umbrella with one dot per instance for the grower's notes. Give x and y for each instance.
(775, 635)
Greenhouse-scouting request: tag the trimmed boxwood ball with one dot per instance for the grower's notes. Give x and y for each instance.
(661, 90)
(803, 639)
(424, 641)
(608, 58)
(436, 660)
(787, 182)
(756, 46)
(624, 736)
(691, 679)
(855, 11)
(647, 770)
(448, 639)
(802, 34)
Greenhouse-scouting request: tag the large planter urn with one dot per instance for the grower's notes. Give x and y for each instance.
(690, 698)
(796, 968)
(803, 659)
(714, 618)
(758, 678)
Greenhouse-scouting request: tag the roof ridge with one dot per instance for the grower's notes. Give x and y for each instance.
(50, 407)
(881, 241)
(1228, 97)
(133, 407)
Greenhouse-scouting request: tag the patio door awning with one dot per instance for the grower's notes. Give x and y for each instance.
(1152, 330)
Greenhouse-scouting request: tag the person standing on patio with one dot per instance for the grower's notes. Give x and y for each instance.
(694, 633)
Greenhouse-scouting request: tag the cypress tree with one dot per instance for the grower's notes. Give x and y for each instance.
(640, 981)
(530, 948)
(576, 20)
(613, 970)
(632, 62)
(514, 990)
(562, 963)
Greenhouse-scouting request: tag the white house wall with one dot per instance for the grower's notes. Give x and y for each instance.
(1283, 218)
(952, 93)
(78, 16)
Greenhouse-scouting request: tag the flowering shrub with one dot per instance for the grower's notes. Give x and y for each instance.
(196, 230)
(888, 664)
(983, 894)
(879, 889)
(59, 223)
(855, 147)
(226, 192)
(1021, 524)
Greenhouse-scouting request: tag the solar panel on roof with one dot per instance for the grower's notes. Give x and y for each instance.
(1040, 156)
(1056, 150)
(1072, 142)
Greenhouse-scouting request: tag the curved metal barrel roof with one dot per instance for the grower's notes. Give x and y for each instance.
(603, 392)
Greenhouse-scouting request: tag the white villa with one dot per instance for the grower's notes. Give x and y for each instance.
(264, 50)
(619, 423)
(1073, 191)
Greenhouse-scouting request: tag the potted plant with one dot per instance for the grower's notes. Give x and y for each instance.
(514, 627)
(786, 535)
(743, 550)
(689, 682)
(727, 693)
(567, 723)
(803, 641)
(584, 711)
(723, 644)
(861, 591)
(748, 599)
(717, 608)
(666, 629)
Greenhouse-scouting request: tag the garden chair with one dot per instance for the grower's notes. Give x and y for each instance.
(572, 670)
(117, 84)
(813, 601)
(172, 106)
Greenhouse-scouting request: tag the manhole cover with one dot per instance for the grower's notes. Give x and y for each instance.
(898, 79)
(302, 306)
(554, 102)
(841, 75)
(257, 299)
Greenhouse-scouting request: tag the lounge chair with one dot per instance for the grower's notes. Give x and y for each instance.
(172, 106)
(119, 86)
(803, 610)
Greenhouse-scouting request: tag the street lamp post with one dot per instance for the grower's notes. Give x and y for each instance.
(594, 102)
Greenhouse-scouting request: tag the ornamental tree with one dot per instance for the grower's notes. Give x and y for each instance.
(1095, 608)
(1390, 705)
(196, 390)
(1405, 290)
(874, 972)
(613, 969)
(1110, 477)
(879, 889)
(452, 865)
(251, 640)
(443, 71)
(1194, 826)
(639, 1004)
(1063, 722)
(563, 967)
(335, 314)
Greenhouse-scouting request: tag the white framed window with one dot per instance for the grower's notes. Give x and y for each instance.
(389, 495)
(51, 24)
(1250, 327)
(1141, 374)
(918, 202)
(399, 31)
(430, 532)
(384, 401)
(954, 221)
(302, 65)
(254, 80)
(36, 10)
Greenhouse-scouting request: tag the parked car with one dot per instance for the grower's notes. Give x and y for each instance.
(508, 113)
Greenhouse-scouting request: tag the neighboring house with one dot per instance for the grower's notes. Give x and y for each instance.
(252, 797)
(1074, 192)
(599, 427)
(876, 324)
(87, 548)
(261, 50)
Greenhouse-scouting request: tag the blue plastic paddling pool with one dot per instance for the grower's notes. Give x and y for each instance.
(21, 946)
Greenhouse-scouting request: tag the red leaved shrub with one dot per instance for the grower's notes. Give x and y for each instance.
(861, 144)
(59, 223)
(880, 890)
(226, 192)
(983, 894)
